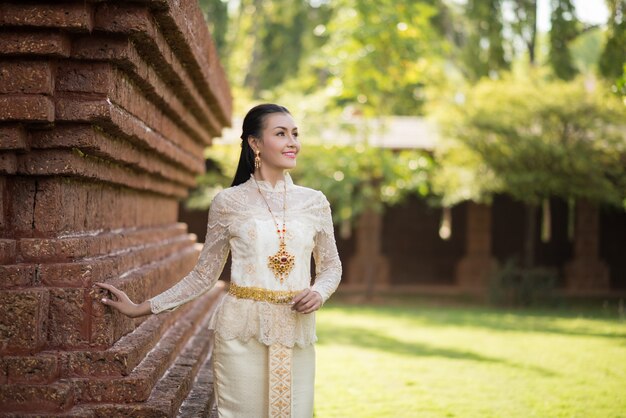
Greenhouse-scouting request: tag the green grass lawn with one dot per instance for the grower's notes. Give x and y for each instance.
(409, 359)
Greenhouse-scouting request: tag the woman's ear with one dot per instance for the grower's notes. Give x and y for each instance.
(253, 142)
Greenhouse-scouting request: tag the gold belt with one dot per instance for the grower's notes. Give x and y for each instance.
(282, 297)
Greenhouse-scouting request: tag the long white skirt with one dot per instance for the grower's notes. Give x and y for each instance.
(253, 380)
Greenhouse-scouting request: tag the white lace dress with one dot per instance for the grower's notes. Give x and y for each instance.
(240, 222)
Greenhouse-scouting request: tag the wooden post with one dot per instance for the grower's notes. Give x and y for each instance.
(474, 268)
(586, 271)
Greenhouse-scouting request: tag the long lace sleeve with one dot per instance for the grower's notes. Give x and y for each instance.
(208, 268)
(327, 263)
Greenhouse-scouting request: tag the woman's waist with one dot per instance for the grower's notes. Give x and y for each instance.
(262, 294)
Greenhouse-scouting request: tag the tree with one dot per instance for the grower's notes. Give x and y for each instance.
(613, 56)
(525, 25)
(534, 139)
(564, 30)
(484, 45)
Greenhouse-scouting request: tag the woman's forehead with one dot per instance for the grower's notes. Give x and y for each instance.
(276, 120)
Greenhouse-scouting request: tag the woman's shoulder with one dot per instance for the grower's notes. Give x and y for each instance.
(310, 193)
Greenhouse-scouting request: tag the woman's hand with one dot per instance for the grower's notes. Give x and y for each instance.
(123, 302)
(307, 301)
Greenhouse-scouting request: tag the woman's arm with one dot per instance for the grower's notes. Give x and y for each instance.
(201, 279)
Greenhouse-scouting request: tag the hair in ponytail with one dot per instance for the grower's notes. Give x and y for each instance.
(252, 126)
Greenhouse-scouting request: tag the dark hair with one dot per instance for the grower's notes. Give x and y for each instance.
(252, 126)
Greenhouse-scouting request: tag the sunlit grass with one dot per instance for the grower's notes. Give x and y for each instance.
(450, 361)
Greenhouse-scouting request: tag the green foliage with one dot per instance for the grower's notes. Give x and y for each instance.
(483, 53)
(534, 139)
(564, 30)
(614, 54)
(513, 285)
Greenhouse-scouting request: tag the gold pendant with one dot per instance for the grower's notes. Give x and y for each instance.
(281, 263)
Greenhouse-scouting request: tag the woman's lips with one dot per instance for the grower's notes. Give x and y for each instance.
(289, 154)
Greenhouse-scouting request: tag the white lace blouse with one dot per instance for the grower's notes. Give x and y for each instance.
(240, 222)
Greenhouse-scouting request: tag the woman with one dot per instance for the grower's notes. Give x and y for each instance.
(264, 359)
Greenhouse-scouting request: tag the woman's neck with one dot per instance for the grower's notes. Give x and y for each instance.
(269, 175)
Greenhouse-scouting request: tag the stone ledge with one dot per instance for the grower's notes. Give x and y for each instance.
(26, 108)
(13, 137)
(68, 16)
(51, 207)
(151, 100)
(23, 317)
(82, 273)
(182, 23)
(93, 244)
(34, 43)
(137, 386)
(139, 24)
(63, 163)
(26, 76)
(93, 142)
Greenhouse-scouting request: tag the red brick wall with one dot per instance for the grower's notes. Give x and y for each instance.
(105, 109)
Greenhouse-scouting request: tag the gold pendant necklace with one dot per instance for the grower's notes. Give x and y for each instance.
(282, 262)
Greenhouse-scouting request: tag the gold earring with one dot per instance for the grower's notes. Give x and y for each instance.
(257, 160)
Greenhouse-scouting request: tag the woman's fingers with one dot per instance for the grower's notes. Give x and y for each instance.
(114, 290)
(307, 301)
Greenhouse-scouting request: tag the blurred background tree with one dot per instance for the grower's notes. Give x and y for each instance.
(525, 107)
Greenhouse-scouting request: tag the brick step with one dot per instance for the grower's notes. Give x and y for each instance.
(138, 23)
(175, 384)
(182, 23)
(199, 402)
(63, 163)
(92, 141)
(57, 397)
(47, 206)
(127, 352)
(137, 386)
(91, 80)
(155, 388)
(73, 325)
(83, 244)
(84, 271)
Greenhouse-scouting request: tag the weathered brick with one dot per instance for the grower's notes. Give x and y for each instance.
(61, 162)
(71, 16)
(84, 272)
(36, 43)
(8, 163)
(13, 137)
(68, 324)
(30, 108)
(25, 76)
(163, 73)
(94, 142)
(139, 284)
(56, 397)
(137, 386)
(97, 244)
(39, 369)
(7, 251)
(183, 27)
(70, 207)
(3, 372)
(23, 316)
(17, 275)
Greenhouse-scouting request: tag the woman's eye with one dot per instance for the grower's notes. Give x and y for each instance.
(281, 134)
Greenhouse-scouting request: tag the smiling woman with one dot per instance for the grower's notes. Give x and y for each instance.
(264, 359)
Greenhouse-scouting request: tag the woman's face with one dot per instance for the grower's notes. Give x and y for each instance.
(279, 143)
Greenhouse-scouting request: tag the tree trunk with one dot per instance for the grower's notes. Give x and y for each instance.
(529, 236)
